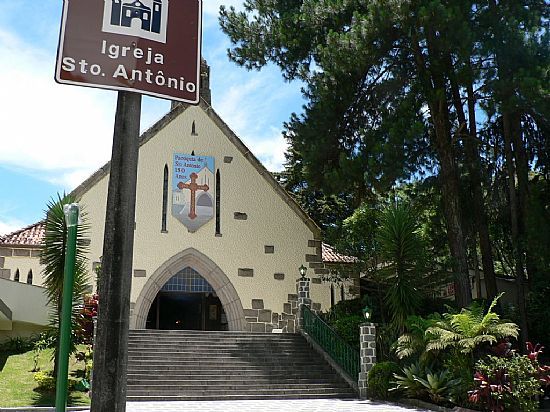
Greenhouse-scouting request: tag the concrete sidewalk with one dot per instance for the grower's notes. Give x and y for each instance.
(299, 405)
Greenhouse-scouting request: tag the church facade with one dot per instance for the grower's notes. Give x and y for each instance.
(217, 242)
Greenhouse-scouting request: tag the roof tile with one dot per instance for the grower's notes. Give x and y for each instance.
(28, 236)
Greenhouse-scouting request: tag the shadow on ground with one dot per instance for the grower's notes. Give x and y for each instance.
(47, 398)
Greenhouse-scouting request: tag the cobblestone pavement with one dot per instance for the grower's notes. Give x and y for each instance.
(301, 405)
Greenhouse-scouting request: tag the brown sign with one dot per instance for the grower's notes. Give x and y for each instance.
(146, 46)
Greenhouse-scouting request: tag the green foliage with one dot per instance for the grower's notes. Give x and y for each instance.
(16, 345)
(420, 382)
(416, 339)
(506, 384)
(537, 309)
(86, 356)
(380, 379)
(45, 380)
(348, 328)
(345, 318)
(393, 95)
(438, 385)
(408, 382)
(43, 341)
(469, 329)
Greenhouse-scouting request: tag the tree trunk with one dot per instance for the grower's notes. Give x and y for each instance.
(519, 267)
(480, 216)
(450, 188)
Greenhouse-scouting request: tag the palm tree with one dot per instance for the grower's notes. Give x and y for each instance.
(53, 259)
(401, 248)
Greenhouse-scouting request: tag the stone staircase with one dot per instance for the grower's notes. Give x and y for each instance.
(193, 365)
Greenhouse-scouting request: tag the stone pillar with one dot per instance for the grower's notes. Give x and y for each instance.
(368, 355)
(302, 290)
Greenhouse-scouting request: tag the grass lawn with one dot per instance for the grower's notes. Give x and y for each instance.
(17, 384)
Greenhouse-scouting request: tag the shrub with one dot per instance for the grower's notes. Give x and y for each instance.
(420, 382)
(408, 382)
(506, 384)
(439, 386)
(17, 345)
(45, 380)
(348, 328)
(380, 380)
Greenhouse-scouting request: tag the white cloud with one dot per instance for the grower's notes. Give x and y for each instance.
(63, 133)
(9, 225)
(255, 106)
(45, 126)
(212, 7)
(271, 151)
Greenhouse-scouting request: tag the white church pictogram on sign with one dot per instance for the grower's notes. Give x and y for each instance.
(140, 18)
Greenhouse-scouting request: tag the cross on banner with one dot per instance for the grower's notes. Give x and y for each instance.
(193, 187)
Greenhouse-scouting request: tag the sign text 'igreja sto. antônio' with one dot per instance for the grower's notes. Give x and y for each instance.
(149, 56)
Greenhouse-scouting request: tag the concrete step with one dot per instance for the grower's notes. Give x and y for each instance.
(240, 392)
(159, 398)
(143, 379)
(194, 365)
(221, 388)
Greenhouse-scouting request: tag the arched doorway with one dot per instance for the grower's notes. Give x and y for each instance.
(208, 270)
(187, 302)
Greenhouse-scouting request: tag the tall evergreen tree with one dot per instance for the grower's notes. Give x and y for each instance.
(393, 88)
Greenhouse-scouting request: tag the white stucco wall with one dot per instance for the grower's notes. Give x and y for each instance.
(24, 260)
(28, 305)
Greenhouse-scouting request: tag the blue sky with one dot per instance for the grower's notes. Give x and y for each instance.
(53, 136)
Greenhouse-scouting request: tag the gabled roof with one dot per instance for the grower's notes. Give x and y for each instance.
(233, 138)
(331, 256)
(28, 236)
(32, 235)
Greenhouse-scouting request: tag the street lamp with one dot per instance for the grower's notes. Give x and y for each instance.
(303, 271)
(366, 312)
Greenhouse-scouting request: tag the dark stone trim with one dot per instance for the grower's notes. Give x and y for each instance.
(246, 272)
(313, 258)
(21, 252)
(4, 251)
(140, 273)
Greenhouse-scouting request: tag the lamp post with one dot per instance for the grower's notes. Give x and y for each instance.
(366, 313)
(303, 271)
(71, 218)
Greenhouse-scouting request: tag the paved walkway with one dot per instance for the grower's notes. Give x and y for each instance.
(301, 405)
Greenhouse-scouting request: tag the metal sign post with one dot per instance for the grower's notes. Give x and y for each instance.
(111, 345)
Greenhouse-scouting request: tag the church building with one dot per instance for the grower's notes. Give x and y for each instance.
(218, 243)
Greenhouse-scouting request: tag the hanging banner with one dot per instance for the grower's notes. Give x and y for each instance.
(145, 46)
(193, 190)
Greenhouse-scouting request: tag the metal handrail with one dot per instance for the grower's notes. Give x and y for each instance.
(346, 356)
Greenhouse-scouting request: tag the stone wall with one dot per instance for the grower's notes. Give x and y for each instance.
(260, 319)
(368, 355)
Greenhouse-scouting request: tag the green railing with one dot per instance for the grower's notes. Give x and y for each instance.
(339, 350)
